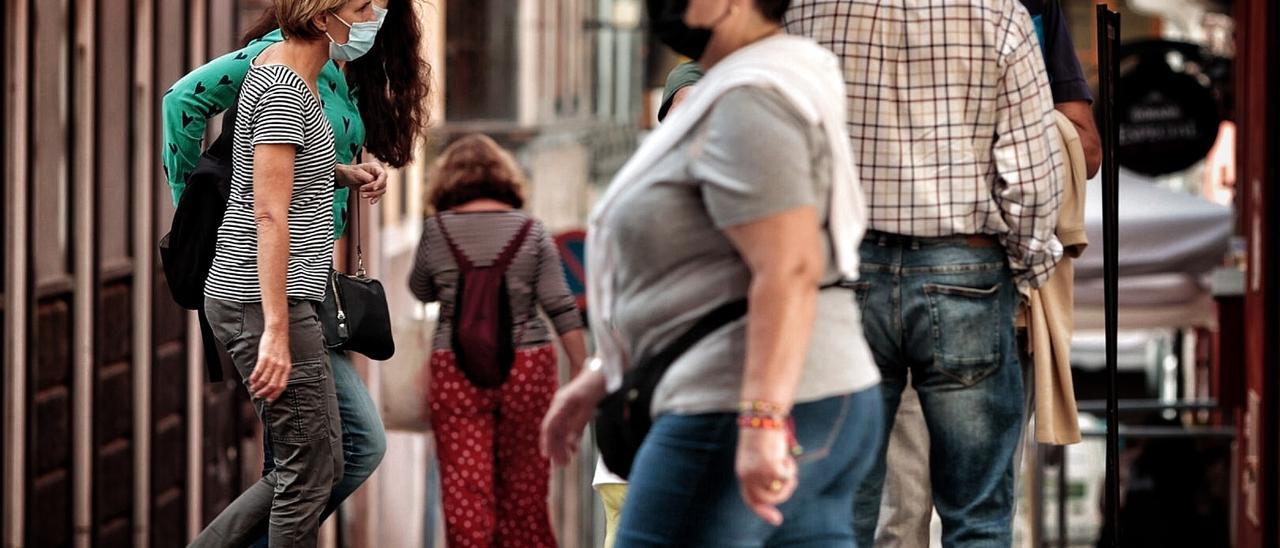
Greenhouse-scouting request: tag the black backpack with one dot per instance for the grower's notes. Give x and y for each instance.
(186, 252)
(482, 323)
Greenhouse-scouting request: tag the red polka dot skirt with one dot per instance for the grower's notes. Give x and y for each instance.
(494, 480)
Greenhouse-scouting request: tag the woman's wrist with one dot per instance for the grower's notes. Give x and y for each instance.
(758, 422)
(591, 381)
(763, 415)
(757, 418)
(341, 175)
(763, 407)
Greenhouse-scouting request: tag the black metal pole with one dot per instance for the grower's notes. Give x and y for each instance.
(1064, 495)
(1037, 505)
(1108, 71)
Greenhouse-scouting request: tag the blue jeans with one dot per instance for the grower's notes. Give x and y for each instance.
(684, 491)
(943, 309)
(364, 441)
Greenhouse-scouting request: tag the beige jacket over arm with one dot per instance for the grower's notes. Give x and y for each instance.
(1051, 307)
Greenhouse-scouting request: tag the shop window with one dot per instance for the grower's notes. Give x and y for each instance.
(480, 60)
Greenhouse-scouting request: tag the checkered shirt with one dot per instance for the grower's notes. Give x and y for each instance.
(950, 117)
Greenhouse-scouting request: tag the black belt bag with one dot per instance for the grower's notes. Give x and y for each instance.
(623, 418)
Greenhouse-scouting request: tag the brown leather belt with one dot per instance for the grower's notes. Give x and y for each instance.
(977, 241)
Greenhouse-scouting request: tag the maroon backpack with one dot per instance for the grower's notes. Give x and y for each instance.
(482, 322)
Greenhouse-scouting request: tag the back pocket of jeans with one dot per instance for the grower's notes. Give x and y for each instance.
(861, 290)
(302, 412)
(966, 330)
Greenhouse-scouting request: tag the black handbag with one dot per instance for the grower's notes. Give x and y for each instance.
(354, 314)
(623, 418)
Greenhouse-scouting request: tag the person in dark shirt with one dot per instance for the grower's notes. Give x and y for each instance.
(1071, 94)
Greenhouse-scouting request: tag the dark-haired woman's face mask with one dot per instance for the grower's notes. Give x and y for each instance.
(666, 18)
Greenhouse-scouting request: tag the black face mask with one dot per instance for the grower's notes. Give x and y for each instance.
(666, 18)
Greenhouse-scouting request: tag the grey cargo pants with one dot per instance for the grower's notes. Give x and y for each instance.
(306, 432)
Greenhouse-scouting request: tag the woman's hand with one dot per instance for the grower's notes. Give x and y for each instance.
(766, 471)
(370, 178)
(568, 416)
(271, 374)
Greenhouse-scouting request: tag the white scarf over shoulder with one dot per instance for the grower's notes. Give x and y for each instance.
(809, 77)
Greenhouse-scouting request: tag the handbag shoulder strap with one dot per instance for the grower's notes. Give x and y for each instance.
(355, 226)
(719, 317)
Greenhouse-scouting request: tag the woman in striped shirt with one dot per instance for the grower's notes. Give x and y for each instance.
(495, 480)
(375, 103)
(274, 249)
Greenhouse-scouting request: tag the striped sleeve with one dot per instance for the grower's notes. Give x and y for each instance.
(279, 117)
(553, 292)
(420, 282)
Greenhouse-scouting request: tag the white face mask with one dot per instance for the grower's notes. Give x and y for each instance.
(360, 38)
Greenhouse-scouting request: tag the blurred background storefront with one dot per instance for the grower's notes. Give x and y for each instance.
(1197, 382)
(112, 436)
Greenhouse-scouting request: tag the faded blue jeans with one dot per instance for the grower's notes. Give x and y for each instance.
(364, 440)
(684, 491)
(943, 309)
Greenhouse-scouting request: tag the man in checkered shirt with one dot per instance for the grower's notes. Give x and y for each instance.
(950, 116)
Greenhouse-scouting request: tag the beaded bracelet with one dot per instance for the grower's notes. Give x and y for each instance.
(762, 422)
(761, 407)
(759, 422)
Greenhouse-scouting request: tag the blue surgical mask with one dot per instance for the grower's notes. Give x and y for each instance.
(359, 40)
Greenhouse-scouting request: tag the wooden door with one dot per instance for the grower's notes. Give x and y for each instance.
(1258, 67)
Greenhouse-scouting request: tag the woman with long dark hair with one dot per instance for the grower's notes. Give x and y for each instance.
(374, 96)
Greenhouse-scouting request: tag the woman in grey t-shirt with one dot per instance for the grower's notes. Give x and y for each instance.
(764, 427)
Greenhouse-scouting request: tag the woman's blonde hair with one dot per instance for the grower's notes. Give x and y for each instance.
(473, 168)
(297, 18)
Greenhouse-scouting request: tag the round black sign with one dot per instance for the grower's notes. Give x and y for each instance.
(1168, 120)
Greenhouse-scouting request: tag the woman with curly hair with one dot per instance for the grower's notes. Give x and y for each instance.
(374, 94)
(495, 481)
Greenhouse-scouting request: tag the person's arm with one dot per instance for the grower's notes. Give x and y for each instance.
(277, 136)
(272, 188)
(758, 170)
(1071, 94)
(1026, 155)
(421, 284)
(1081, 115)
(568, 415)
(186, 108)
(784, 253)
(558, 302)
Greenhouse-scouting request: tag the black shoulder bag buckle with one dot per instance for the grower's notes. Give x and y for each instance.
(623, 418)
(354, 314)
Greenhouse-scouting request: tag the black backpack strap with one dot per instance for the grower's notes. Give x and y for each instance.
(212, 362)
(715, 319)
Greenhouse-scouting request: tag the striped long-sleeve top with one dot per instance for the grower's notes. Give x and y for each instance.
(534, 279)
